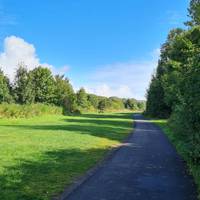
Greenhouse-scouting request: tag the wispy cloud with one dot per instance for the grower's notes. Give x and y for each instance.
(123, 79)
(7, 19)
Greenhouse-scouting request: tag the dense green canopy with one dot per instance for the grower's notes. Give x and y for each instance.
(41, 86)
(175, 88)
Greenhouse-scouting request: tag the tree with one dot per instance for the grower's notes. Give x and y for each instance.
(175, 88)
(156, 105)
(23, 86)
(131, 104)
(4, 88)
(102, 105)
(82, 100)
(163, 92)
(116, 103)
(194, 13)
(44, 85)
(70, 105)
(63, 90)
(93, 100)
(141, 105)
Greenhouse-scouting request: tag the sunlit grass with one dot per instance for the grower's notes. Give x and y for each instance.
(41, 156)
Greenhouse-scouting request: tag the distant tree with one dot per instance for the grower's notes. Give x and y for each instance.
(23, 86)
(116, 103)
(4, 88)
(63, 90)
(44, 85)
(141, 105)
(105, 104)
(82, 100)
(93, 100)
(102, 105)
(70, 104)
(131, 104)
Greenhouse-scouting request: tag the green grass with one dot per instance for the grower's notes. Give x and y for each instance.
(181, 149)
(41, 156)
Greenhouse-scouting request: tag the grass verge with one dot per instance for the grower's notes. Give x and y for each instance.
(40, 156)
(181, 149)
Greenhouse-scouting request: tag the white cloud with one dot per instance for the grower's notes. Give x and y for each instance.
(123, 79)
(106, 90)
(17, 50)
(60, 70)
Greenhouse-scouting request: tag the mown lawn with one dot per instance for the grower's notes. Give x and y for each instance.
(181, 149)
(41, 156)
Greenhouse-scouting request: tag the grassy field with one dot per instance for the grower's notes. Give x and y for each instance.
(181, 149)
(42, 155)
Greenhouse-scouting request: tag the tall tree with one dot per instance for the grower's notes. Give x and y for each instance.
(93, 100)
(44, 85)
(131, 104)
(194, 13)
(63, 90)
(103, 105)
(156, 105)
(23, 86)
(4, 88)
(82, 100)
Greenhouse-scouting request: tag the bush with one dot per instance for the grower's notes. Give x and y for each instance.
(26, 111)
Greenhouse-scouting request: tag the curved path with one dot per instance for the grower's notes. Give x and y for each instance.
(147, 167)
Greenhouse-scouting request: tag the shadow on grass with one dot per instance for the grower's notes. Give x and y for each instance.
(115, 123)
(112, 116)
(109, 132)
(48, 176)
(110, 129)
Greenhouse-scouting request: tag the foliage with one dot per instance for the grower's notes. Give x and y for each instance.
(41, 86)
(141, 105)
(4, 88)
(131, 104)
(116, 103)
(156, 106)
(44, 85)
(63, 90)
(93, 100)
(23, 86)
(103, 105)
(176, 85)
(194, 13)
(26, 111)
(82, 99)
(42, 155)
(70, 106)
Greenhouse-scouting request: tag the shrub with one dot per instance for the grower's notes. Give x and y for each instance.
(26, 111)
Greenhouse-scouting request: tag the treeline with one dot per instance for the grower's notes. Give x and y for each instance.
(40, 86)
(174, 91)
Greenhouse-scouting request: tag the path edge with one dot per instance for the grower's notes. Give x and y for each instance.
(89, 173)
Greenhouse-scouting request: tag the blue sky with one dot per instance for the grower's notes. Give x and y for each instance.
(108, 46)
